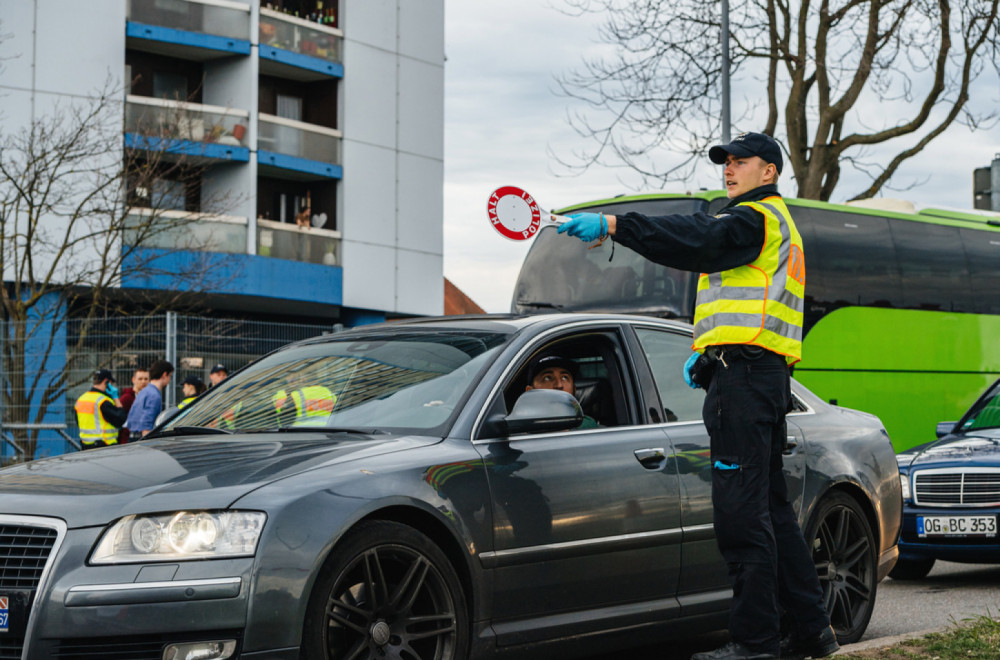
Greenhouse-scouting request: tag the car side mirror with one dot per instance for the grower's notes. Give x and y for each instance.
(541, 411)
(166, 416)
(944, 428)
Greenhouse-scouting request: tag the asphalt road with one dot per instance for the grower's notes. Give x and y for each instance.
(950, 593)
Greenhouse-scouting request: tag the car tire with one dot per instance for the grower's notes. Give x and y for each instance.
(386, 591)
(911, 569)
(844, 552)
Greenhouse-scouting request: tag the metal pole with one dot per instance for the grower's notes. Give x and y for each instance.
(726, 134)
(169, 396)
(3, 377)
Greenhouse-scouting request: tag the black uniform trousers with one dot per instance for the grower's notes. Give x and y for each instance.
(770, 567)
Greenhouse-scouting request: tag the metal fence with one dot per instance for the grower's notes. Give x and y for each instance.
(46, 365)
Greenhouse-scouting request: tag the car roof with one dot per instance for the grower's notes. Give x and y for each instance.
(502, 323)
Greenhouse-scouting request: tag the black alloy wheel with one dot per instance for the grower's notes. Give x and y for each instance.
(388, 593)
(844, 552)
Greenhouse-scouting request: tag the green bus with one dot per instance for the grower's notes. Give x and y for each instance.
(902, 310)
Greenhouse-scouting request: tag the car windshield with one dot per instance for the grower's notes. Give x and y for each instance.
(393, 382)
(986, 413)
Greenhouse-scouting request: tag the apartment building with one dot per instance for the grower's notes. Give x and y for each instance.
(318, 122)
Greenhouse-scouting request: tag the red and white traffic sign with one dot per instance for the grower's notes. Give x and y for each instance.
(516, 215)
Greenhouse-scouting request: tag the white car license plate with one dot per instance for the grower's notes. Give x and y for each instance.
(956, 526)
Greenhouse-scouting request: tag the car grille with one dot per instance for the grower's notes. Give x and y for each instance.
(957, 488)
(24, 552)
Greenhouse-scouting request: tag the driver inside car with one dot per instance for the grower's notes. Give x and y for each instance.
(554, 372)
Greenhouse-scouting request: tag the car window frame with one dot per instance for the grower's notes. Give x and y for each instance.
(494, 402)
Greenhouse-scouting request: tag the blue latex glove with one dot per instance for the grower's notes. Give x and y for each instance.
(588, 227)
(111, 391)
(688, 367)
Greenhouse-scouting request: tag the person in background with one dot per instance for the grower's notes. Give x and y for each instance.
(149, 402)
(98, 412)
(140, 379)
(191, 387)
(217, 374)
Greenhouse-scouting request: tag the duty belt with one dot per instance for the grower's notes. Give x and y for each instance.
(725, 353)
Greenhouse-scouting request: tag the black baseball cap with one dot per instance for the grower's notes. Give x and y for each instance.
(217, 368)
(103, 374)
(745, 145)
(193, 380)
(550, 362)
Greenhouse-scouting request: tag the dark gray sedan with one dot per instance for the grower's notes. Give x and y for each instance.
(395, 492)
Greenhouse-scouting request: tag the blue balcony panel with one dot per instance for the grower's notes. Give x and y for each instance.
(188, 148)
(246, 275)
(300, 61)
(303, 165)
(166, 35)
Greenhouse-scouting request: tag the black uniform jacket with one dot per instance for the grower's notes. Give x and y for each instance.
(700, 243)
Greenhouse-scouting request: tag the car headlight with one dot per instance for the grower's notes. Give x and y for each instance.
(180, 535)
(904, 483)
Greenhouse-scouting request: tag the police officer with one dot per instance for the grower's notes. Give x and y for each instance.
(98, 415)
(748, 331)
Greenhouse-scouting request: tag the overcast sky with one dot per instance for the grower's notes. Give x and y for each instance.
(503, 117)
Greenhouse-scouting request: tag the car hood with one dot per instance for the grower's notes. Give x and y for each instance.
(170, 474)
(981, 447)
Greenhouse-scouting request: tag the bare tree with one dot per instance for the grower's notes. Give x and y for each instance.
(825, 69)
(79, 218)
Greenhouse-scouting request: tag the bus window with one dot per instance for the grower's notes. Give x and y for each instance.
(856, 256)
(935, 275)
(566, 275)
(982, 250)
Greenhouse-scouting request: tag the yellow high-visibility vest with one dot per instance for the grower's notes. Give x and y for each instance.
(313, 404)
(762, 302)
(93, 426)
(186, 401)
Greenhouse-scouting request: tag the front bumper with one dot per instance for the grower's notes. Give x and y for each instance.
(967, 549)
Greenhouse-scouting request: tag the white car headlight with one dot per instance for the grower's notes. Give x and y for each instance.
(180, 535)
(904, 482)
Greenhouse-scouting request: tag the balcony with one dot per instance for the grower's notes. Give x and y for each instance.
(289, 149)
(189, 29)
(179, 230)
(186, 129)
(297, 49)
(289, 241)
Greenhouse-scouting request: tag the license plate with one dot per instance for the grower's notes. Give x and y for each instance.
(4, 613)
(956, 526)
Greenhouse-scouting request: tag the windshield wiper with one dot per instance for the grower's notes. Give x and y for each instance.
(188, 430)
(325, 429)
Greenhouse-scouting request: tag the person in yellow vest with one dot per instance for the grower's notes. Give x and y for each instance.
(191, 387)
(98, 412)
(747, 333)
(303, 405)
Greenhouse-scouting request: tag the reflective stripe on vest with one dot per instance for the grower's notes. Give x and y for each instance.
(91, 422)
(185, 402)
(313, 404)
(762, 302)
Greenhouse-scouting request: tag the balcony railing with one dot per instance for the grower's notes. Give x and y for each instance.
(180, 230)
(300, 36)
(288, 241)
(222, 18)
(298, 139)
(221, 132)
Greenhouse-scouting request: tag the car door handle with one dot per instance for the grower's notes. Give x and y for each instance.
(791, 442)
(651, 458)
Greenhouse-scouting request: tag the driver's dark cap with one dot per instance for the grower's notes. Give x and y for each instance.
(551, 362)
(745, 145)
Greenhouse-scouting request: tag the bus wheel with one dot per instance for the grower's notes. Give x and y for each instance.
(843, 549)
